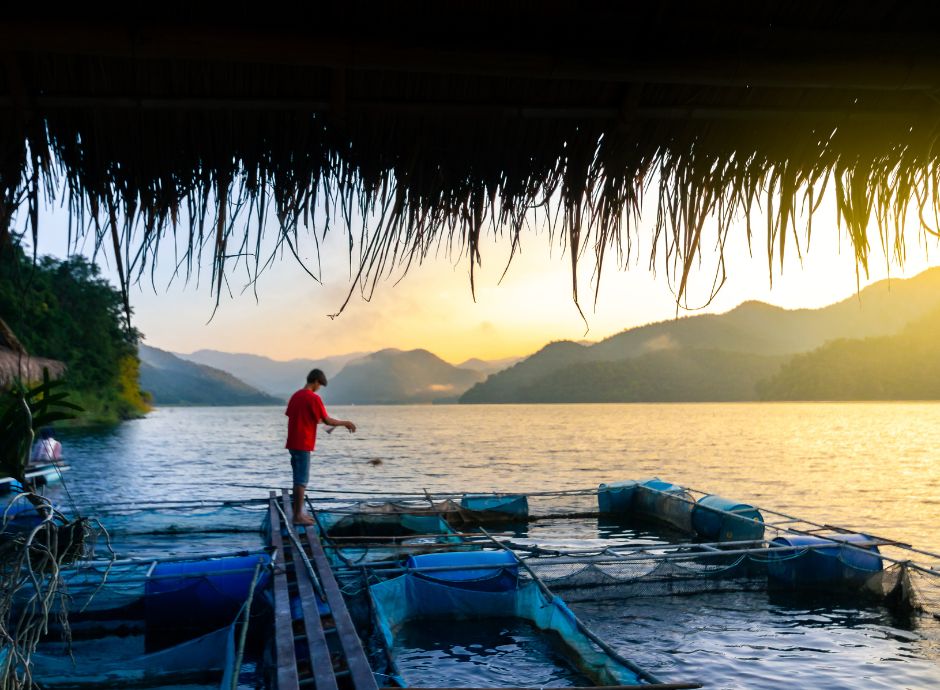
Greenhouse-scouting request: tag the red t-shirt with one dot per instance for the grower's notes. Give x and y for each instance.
(304, 411)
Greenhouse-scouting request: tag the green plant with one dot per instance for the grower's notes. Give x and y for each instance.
(24, 410)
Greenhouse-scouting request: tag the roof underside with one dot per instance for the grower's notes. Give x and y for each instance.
(437, 121)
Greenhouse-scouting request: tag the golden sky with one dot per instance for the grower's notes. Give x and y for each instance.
(433, 307)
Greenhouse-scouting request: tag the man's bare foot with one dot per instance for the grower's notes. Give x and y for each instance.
(305, 520)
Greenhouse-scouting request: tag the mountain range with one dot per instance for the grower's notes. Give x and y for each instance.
(878, 344)
(396, 376)
(175, 381)
(708, 356)
(388, 376)
(275, 377)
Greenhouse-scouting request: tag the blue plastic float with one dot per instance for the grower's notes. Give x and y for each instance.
(200, 595)
(500, 578)
(720, 519)
(616, 497)
(826, 564)
(664, 502)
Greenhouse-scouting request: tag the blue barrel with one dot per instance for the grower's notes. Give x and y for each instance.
(200, 595)
(616, 497)
(510, 505)
(664, 502)
(828, 565)
(502, 577)
(719, 519)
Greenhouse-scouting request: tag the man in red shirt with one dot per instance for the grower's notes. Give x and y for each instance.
(304, 411)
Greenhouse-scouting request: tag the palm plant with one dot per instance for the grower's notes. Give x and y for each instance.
(24, 410)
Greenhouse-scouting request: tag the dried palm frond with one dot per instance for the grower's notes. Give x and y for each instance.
(203, 148)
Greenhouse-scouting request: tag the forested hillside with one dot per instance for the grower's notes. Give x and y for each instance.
(65, 310)
(677, 375)
(905, 366)
(707, 356)
(172, 380)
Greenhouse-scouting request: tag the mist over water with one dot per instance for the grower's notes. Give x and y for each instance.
(867, 466)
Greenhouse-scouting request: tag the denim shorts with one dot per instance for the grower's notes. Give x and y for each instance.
(300, 464)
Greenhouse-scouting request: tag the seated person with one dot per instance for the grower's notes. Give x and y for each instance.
(46, 449)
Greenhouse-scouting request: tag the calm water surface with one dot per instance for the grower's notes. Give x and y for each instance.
(864, 466)
(485, 654)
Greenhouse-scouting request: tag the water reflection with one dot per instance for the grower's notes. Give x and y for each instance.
(865, 466)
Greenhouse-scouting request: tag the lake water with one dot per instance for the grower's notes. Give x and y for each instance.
(483, 654)
(871, 467)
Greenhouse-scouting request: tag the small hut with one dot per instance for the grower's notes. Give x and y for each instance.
(16, 364)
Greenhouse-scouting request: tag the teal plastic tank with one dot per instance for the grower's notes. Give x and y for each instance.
(715, 518)
(616, 497)
(510, 505)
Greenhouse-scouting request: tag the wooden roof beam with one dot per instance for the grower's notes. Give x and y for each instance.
(504, 110)
(891, 71)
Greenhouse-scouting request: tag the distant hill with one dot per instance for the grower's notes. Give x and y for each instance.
(769, 333)
(175, 381)
(488, 366)
(678, 375)
(396, 376)
(278, 378)
(905, 366)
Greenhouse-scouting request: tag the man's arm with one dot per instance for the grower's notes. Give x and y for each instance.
(339, 422)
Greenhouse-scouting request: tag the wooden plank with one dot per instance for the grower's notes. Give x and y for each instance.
(316, 639)
(356, 659)
(283, 632)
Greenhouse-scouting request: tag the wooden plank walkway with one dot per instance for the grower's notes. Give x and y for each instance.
(334, 658)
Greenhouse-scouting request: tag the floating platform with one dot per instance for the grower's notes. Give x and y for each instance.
(330, 600)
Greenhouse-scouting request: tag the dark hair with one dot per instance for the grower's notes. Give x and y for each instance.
(45, 432)
(317, 375)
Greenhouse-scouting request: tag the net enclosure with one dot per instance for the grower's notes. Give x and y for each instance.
(421, 127)
(638, 538)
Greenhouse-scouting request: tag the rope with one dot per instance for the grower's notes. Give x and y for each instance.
(586, 631)
(244, 631)
(300, 551)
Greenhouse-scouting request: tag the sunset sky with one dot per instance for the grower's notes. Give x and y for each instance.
(433, 307)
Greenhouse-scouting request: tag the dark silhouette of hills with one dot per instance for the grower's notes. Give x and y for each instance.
(174, 381)
(693, 355)
(395, 376)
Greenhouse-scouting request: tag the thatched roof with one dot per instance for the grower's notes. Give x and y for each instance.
(15, 366)
(18, 365)
(439, 121)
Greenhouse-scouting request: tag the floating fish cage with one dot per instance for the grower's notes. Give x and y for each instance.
(330, 604)
(463, 587)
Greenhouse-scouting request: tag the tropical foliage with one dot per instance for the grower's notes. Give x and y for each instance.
(905, 366)
(66, 310)
(23, 411)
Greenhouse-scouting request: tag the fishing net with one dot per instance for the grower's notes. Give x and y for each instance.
(358, 537)
(597, 579)
(412, 597)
